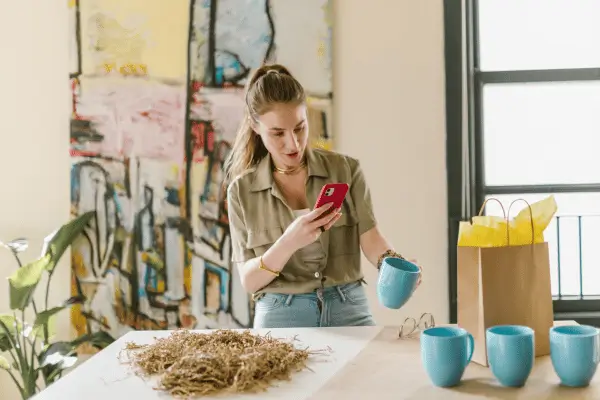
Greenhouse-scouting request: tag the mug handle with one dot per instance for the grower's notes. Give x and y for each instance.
(471, 348)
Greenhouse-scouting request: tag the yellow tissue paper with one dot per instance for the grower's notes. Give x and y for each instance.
(526, 228)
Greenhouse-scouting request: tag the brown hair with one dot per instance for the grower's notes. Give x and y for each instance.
(270, 84)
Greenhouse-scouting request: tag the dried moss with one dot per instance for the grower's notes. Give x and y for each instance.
(195, 364)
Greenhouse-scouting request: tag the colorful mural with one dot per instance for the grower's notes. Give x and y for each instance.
(157, 98)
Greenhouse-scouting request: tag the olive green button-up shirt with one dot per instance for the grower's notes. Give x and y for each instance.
(259, 214)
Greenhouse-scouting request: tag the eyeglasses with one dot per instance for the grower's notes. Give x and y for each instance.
(411, 327)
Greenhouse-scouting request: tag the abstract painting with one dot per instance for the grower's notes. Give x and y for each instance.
(157, 97)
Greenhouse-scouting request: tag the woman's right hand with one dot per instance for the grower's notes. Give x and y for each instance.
(307, 228)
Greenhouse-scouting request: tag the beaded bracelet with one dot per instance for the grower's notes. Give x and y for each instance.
(387, 253)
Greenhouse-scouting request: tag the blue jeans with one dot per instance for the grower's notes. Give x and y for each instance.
(344, 305)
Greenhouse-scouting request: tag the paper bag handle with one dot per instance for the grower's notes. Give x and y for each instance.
(507, 216)
(503, 213)
(497, 201)
(531, 220)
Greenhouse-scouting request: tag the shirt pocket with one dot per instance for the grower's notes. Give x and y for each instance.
(343, 236)
(261, 241)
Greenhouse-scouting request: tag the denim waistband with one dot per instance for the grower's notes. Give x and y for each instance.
(322, 293)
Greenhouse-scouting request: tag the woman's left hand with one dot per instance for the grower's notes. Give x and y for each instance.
(420, 270)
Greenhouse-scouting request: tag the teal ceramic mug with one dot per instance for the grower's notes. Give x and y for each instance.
(510, 353)
(397, 281)
(445, 353)
(575, 353)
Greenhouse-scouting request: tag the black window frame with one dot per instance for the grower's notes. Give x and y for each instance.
(583, 309)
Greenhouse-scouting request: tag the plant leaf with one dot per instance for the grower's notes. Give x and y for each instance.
(4, 364)
(56, 357)
(38, 330)
(5, 344)
(43, 317)
(9, 322)
(99, 339)
(48, 317)
(22, 283)
(58, 354)
(59, 241)
(18, 245)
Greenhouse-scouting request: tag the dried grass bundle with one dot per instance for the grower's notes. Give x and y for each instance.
(192, 364)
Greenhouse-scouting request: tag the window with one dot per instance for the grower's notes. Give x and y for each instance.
(541, 133)
(526, 74)
(518, 35)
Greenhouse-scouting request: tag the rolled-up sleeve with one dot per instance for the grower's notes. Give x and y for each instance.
(237, 227)
(361, 196)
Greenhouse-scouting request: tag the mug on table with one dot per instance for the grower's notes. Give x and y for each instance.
(511, 353)
(445, 352)
(575, 353)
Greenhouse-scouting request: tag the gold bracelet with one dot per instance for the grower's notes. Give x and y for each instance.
(387, 253)
(264, 268)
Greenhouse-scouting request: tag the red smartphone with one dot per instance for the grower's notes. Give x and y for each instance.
(332, 193)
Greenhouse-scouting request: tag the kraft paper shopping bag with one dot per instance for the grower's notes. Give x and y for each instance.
(505, 284)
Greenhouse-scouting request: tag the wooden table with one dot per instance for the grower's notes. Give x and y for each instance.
(366, 361)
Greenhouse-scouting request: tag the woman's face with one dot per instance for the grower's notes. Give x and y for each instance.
(284, 132)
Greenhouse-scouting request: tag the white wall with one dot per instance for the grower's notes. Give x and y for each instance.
(390, 99)
(389, 88)
(34, 147)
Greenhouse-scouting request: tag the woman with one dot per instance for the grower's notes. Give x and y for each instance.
(302, 266)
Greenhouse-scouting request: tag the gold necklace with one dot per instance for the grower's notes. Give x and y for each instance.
(291, 171)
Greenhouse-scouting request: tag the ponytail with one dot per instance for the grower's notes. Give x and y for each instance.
(247, 151)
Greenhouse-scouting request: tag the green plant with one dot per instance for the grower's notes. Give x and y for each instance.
(30, 351)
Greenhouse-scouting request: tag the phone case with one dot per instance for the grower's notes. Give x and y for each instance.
(332, 193)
